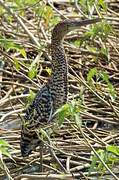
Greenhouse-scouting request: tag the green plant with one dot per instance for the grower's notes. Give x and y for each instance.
(102, 30)
(30, 98)
(87, 5)
(46, 12)
(32, 71)
(94, 77)
(4, 151)
(70, 110)
(110, 156)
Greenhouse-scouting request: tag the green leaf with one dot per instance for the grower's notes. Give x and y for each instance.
(62, 113)
(25, 3)
(105, 77)
(113, 149)
(111, 89)
(4, 151)
(102, 30)
(103, 4)
(10, 44)
(91, 74)
(4, 143)
(2, 11)
(4, 147)
(54, 20)
(32, 72)
(78, 119)
(77, 43)
(43, 134)
(112, 92)
(31, 97)
(40, 10)
(16, 63)
(70, 110)
(48, 13)
(91, 49)
(49, 70)
(93, 165)
(23, 52)
(105, 52)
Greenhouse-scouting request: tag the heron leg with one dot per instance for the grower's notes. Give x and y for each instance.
(41, 156)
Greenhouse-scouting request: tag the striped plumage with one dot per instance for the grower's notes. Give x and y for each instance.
(54, 93)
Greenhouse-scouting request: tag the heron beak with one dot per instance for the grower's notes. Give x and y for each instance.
(75, 24)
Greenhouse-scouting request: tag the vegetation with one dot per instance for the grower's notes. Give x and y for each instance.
(84, 139)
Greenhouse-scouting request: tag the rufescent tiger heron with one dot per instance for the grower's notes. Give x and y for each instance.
(54, 93)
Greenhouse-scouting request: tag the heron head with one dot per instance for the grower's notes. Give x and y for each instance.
(64, 27)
